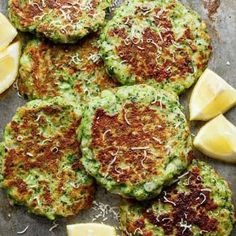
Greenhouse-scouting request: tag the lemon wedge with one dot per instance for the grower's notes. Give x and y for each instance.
(90, 229)
(7, 32)
(217, 139)
(211, 96)
(9, 63)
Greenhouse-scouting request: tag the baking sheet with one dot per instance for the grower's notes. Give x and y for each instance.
(222, 28)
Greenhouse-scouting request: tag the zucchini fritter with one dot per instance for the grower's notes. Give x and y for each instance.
(158, 42)
(75, 72)
(200, 203)
(135, 140)
(59, 20)
(41, 165)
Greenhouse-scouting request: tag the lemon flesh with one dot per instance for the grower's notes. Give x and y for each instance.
(9, 63)
(6, 66)
(217, 139)
(7, 32)
(211, 96)
(90, 229)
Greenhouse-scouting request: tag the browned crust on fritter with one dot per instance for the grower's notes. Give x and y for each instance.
(132, 127)
(26, 12)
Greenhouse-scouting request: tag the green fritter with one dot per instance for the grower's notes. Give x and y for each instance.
(41, 166)
(134, 140)
(61, 21)
(74, 72)
(200, 203)
(158, 42)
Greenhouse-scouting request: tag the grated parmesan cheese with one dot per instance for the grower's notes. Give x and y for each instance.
(94, 57)
(126, 119)
(37, 5)
(105, 211)
(24, 230)
(76, 59)
(19, 138)
(109, 166)
(53, 227)
(157, 140)
(183, 175)
(184, 224)
(167, 200)
(204, 198)
(145, 157)
(139, 148)
(104, 134)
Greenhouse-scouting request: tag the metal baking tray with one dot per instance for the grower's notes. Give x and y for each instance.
(222, 26)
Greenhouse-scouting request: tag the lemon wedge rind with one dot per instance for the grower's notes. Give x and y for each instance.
(90, 229)
(211, 96)
(7, 32)
(217, 139)
(9, 63)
